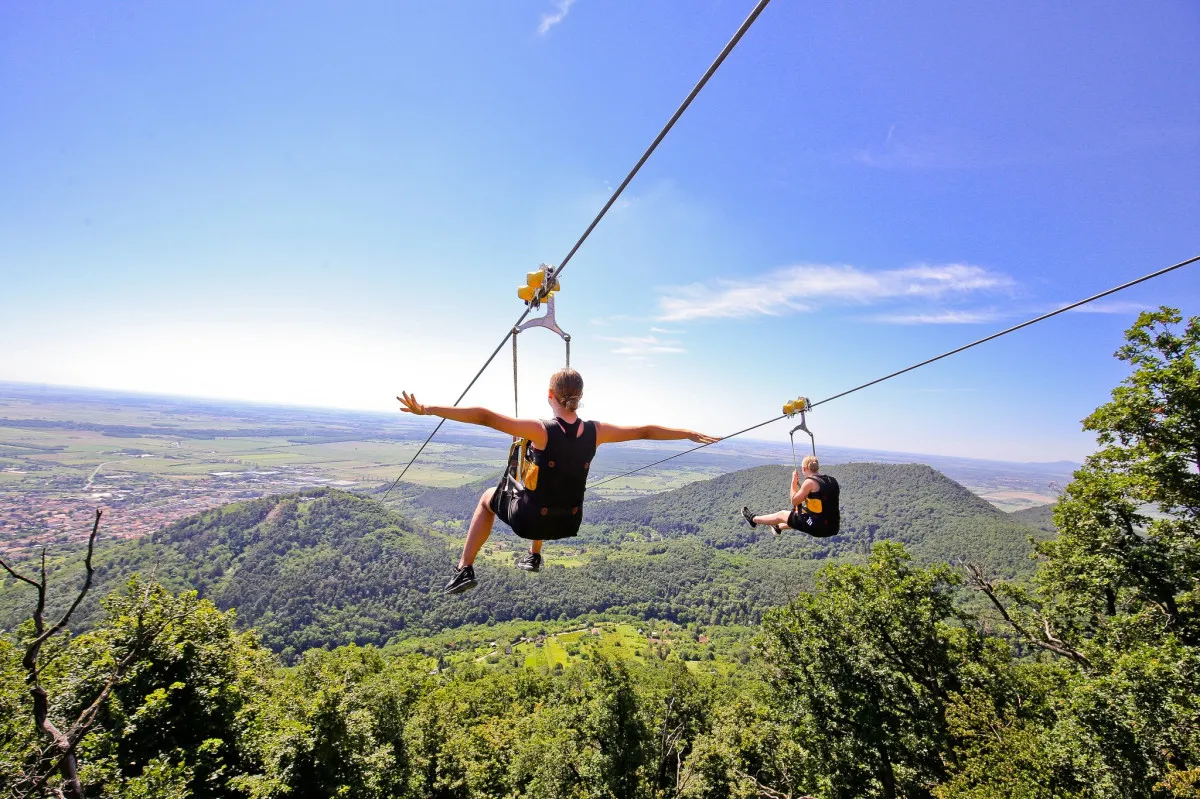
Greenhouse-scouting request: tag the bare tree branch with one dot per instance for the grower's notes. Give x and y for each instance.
(979, 582)
(766, 791)
(1049, 635)
(62, 745)
(87, 583)
(17, 574)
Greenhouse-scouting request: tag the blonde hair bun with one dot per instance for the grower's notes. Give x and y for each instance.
(567, 386)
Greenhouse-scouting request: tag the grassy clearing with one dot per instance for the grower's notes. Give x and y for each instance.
(624, 641)
(1009, 501)
(650, 482)
(569, 643)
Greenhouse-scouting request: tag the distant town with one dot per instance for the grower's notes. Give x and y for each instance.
(135, 504)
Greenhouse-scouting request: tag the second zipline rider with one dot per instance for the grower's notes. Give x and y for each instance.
(816, 506)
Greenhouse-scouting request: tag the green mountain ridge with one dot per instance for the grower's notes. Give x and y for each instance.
(325, 567)
(935, 517)
(1039, 516)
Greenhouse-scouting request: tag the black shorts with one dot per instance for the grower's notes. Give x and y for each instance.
(530, 520)
(814, 524)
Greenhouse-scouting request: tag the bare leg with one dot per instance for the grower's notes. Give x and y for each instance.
(773, 519)
(536, 546)
(480, 529)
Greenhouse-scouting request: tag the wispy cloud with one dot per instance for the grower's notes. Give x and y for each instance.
(950, 148)
(939, 318)
(902, 156)
(926, 150)
(1113, 307)
(643, 346)
(807, 286)
(554, 17)
(616, 319)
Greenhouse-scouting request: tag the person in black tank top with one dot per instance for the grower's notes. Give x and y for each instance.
(815, 504)
(550, 507)
(545, 502)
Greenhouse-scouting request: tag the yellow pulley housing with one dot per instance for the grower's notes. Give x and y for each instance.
(798, 405)
(532, 287)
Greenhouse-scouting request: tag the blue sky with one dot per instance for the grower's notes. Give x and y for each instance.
(326, 204)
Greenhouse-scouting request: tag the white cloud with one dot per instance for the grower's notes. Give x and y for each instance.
(901, 157)
(806, 286)
(615, 319)
(939, 318)
(1114, 307)
(554, 17)
(905, 149)
(642, 346)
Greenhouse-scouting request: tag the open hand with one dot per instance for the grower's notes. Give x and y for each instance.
(409, 404)
(700, 438)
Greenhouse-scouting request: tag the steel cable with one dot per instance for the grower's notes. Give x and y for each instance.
(725, 51)
(925, 362)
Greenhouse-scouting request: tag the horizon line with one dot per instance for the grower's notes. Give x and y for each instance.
(387, 414)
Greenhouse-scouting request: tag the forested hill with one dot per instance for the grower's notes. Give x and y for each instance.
(327, 567)
(935, 517)
(1039, 516)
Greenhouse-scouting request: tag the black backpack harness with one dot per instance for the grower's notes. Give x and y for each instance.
(541, 494)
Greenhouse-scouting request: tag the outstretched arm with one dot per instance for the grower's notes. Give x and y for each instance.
(615, 433)
(531, 429)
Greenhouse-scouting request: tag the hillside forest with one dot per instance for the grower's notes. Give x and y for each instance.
(298, 647)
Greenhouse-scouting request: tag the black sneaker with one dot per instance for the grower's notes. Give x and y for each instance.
(749, 517)
(530, 561)
(463, 580)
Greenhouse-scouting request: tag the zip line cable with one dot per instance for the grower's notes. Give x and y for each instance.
(926, 362)
(685, 452)
(662, 134)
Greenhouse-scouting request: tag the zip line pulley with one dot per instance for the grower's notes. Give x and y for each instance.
(539, 289)
(800, 405)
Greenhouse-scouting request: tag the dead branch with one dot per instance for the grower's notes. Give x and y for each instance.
(18, 575)
(61, 749)
(1049, 635)
(87, 582)
(763, 790)
(682, 776)
(766, 791)
(979, 582)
